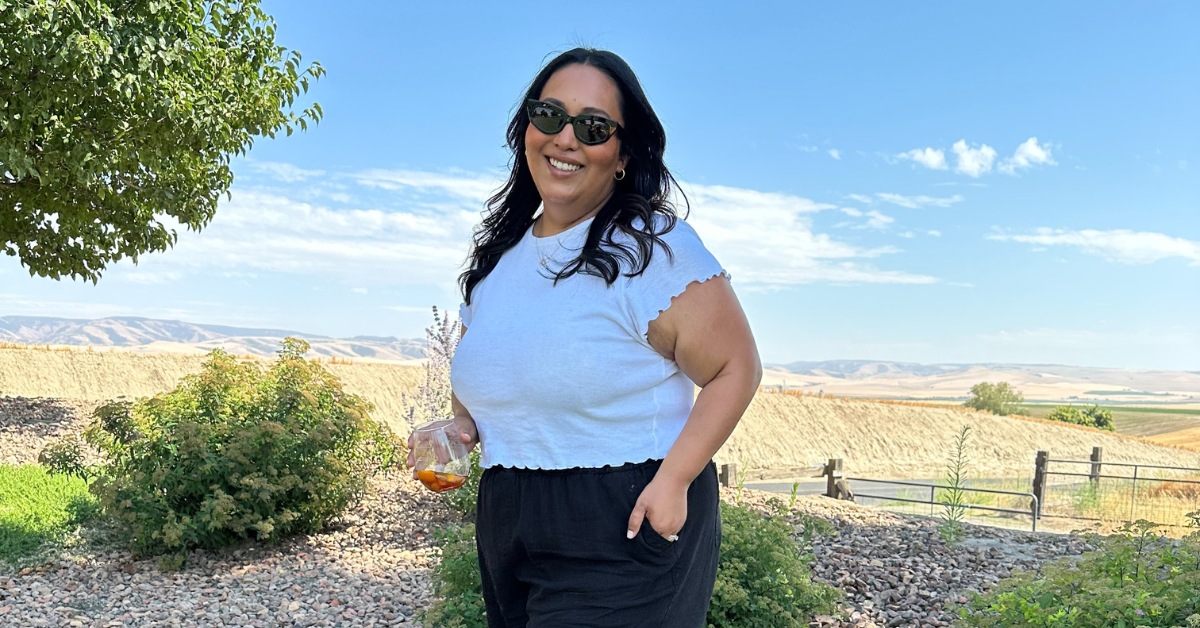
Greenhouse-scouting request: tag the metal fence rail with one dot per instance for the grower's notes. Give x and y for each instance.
(932, 501)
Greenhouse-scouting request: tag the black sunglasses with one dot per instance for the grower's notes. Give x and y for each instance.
(550, 118)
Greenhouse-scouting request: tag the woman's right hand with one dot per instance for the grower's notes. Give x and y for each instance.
(467, 432)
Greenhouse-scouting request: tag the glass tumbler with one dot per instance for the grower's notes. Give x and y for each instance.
(442, 460)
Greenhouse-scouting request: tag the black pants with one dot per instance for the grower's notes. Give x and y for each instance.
(553, 551)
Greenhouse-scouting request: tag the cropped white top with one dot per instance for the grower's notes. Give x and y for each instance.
(563, 376)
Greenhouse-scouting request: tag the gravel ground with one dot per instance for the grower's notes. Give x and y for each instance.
(373, 567)
(28, 424)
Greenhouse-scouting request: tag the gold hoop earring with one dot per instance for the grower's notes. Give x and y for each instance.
(622, 172)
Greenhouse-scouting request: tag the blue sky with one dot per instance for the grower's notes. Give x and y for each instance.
(933, 182)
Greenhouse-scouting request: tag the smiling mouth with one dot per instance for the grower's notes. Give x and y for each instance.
(562, 166)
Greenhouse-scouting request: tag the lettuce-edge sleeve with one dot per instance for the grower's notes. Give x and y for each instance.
(666, 277)
(464, 314)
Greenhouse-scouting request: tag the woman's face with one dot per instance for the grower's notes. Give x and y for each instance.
(578, 89)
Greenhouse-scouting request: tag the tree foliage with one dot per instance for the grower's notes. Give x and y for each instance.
(998, 398)
(118, 121)
(1094, 416)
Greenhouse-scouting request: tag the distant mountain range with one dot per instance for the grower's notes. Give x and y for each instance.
(837, 377)
(151, 335)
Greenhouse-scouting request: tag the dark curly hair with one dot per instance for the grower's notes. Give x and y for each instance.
(642, 193)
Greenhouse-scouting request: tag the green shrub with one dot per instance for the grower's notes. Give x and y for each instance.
(763, 579)
(38, 508)
(998, 398)
(1101, 417)
(233, 452)
(456, 582)
(1134, 578)
(1091, 417)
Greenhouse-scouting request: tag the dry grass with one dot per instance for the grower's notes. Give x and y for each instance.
(37, 347)
(1187, 439)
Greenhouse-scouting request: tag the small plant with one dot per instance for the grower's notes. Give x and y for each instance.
(433, 398)
(763, 578)
(457, 582)
(792, 501)
(233, 452)
(741, 482)
(954, 508)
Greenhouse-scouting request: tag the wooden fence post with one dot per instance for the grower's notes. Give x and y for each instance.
(1094, 474)
(728, 475)
(1039, 479)
(833, 473)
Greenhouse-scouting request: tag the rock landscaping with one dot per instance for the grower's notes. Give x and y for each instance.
(373, 567)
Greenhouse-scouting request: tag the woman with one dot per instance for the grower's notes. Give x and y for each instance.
(590, 325)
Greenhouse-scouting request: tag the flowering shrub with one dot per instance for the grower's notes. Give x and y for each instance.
(433, 401)
(233, 452)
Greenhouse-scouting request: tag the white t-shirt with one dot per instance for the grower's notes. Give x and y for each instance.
(562, 376)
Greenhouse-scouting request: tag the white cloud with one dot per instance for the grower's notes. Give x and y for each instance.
(1117, 245)
(934, 233)
(850, 211)
(862, 198)
(877, 220)
(287, 173)
(468, 186)
(765, 240)
(928, 157)
(916, 202)
(149, 278)
(906, 234)
(808, 149)
(1028, 154)
(973, 161)
(833, 152)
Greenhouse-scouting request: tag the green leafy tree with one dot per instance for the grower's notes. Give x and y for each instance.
(118, 121)
(1100, 417)
(999, 398)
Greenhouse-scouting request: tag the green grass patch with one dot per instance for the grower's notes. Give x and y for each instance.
(37, 508)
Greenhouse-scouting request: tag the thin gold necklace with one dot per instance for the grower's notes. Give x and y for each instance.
(542, 257)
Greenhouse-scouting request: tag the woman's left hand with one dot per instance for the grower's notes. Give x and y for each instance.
(664, 503)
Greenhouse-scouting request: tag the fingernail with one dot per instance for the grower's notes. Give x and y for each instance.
(629, 534)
